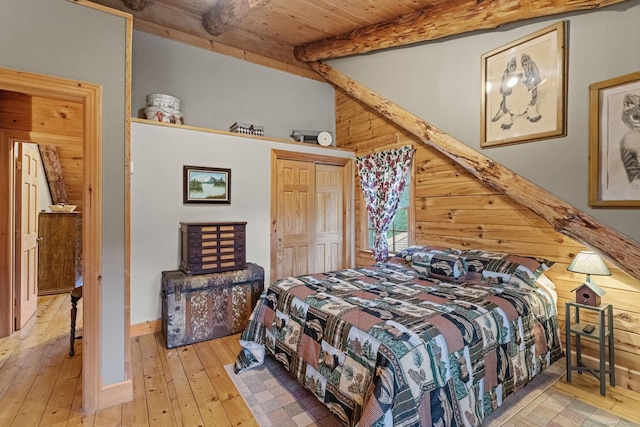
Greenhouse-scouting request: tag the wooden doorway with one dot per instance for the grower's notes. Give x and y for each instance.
(21, 128)
(311, 213)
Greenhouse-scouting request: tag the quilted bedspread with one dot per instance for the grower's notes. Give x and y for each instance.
(382, 347)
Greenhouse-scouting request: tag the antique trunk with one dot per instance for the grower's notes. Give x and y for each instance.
(205, 306)
(211, 247)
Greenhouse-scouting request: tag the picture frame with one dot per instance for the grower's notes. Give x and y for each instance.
(206, 185)
(614, 135)
(524, 89)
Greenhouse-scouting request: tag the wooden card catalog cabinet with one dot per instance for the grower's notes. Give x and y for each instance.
(211, 247)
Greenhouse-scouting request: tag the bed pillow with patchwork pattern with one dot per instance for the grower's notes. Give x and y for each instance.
(403, 257)
(447, 265)
(506, 270)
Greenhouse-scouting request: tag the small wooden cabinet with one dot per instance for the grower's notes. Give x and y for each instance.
(59, 252)
(212, 247)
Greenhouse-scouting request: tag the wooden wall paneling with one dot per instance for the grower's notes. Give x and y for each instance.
(453, 208)
(22, 112)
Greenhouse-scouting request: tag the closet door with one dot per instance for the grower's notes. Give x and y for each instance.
(329, 218)
(295, 186)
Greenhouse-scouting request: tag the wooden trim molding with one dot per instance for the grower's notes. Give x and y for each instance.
(7, 240)
(149, 327)
(117, 393)
(127, 200)
(616, 247)
(90, 95)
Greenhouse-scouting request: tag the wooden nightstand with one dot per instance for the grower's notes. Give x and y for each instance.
(602, 333)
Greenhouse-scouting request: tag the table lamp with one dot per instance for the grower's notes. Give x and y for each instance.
(589, 263)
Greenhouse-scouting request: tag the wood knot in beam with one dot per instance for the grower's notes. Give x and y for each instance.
(136, 4)
(226, 13)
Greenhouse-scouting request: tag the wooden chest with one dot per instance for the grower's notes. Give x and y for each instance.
(210, 247)
(206, 306)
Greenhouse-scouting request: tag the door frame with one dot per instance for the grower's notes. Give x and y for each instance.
(348, 223)
(90, 95)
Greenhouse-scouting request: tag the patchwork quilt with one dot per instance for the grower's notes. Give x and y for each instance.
(383, 346)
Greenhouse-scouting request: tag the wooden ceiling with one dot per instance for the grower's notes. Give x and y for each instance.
(285, 34)
(282, 34)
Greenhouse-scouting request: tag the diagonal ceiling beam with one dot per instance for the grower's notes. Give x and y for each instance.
(616, 247)
(446, 19)
(226, 13)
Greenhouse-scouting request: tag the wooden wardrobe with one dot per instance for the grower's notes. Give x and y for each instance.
(59, 252)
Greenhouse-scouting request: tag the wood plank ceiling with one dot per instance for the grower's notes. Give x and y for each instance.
(287, 33)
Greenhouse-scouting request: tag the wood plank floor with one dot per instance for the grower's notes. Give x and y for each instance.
(40, 384)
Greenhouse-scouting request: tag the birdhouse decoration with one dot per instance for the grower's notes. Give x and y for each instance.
(589, 263)
(589, 294)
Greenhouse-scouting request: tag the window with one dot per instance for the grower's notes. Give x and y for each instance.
(398, 234)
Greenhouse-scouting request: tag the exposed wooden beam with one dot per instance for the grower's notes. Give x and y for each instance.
(616, 247)
(445, 19)
(226, 13)
(53, 171)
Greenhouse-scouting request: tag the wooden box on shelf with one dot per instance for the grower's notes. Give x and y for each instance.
(211, 247)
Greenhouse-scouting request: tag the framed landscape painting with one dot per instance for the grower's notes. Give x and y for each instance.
(206, 185)
(524, 89)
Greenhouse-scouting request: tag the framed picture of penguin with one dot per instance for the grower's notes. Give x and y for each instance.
(614, 142)
(524, 89)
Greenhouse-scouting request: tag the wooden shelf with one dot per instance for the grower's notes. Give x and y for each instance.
(237, 135)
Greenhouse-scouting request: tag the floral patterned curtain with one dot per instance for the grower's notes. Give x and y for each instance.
(383, 177)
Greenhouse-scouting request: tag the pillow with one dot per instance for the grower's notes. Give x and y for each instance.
(507, 270)
(440, 264)
(547, 285)
(404, 256)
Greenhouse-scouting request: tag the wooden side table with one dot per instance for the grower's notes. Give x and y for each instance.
(602, 334)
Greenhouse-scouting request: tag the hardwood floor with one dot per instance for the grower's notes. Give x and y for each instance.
(188, 386)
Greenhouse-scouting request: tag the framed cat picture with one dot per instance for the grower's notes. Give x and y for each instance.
(524, 89)
(614, 142)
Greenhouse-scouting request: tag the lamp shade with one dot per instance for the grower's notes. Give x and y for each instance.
(587, 262)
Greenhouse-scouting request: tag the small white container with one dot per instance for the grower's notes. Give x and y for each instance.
(162, 100)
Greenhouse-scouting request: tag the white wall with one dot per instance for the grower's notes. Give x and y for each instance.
(159, 154)
(440, 82)
(217, 90)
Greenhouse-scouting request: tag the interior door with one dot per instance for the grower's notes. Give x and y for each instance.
(329, 217)
(27, 227)
(295, 217)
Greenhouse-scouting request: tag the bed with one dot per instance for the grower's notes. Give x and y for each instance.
(435, 336)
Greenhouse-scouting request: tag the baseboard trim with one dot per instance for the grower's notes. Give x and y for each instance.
(149, 327)
(117, 393)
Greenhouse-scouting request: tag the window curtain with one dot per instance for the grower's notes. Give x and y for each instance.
(383, 178)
